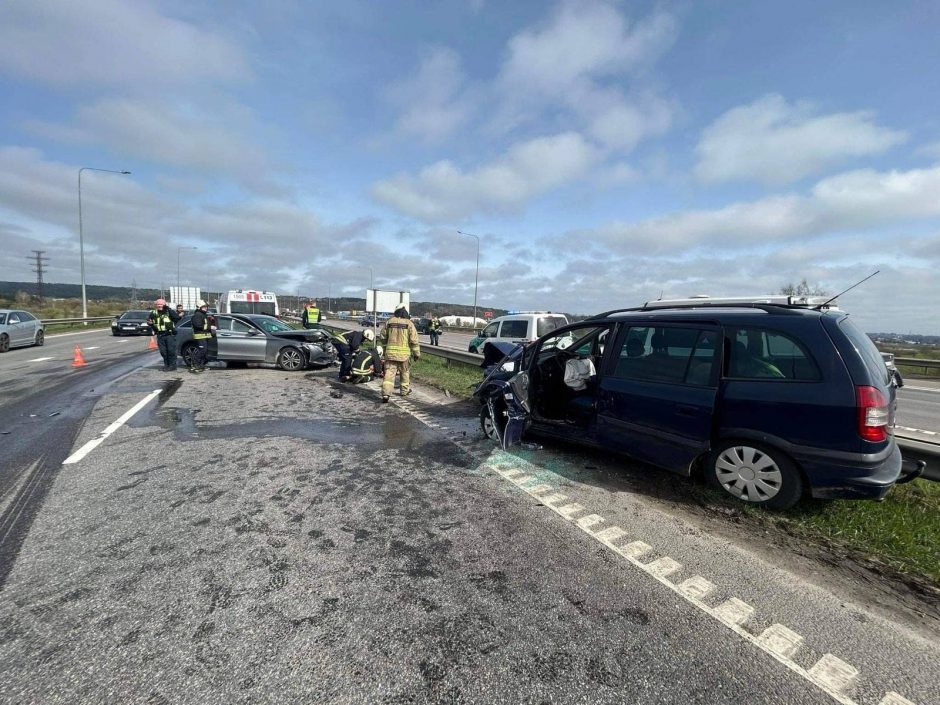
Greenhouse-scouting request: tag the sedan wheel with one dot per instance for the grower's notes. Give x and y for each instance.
(290, 359)
(4, 343)
(40, 338)
(187, 354)
(755, 474)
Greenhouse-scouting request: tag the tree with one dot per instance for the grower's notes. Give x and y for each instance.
(804, 288)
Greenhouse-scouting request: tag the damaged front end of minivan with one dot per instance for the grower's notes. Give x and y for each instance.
(503, 394)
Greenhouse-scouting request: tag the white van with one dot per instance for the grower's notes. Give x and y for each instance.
(523, 327)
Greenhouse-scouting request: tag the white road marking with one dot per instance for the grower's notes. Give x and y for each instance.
(834, 671)
(95, 442)
(92, 347)
(923, 389)
(829, 674)
(81, 332)
(663, 566)
(781, 640)
(917, 430)
(41, 359)
(590, 520)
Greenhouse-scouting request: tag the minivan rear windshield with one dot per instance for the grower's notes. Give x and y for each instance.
(548, 324)
(866, 348)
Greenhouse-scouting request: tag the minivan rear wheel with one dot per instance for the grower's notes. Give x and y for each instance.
(755, 473)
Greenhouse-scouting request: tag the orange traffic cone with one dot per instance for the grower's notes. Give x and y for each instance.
(77, 359)
(152, 345)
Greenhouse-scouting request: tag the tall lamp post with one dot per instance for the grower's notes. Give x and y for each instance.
(476, 280)
(178, 250)
(81, 232)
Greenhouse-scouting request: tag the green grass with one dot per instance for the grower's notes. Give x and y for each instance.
(454, 377)
(72, 327)
(902, 532)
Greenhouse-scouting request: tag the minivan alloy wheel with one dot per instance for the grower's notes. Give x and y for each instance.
(755, 474)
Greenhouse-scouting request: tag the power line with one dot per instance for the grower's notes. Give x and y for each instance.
(39, 260)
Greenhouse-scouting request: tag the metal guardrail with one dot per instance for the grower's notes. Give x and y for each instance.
(66, 321)
(466, 358)
(917, 362)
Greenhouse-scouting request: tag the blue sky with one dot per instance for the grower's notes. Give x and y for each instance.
(604, 152)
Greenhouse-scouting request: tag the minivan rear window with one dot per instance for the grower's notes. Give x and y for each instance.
(866, 350)
(548, 324)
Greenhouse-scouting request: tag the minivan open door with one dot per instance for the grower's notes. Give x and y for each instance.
(507, 403)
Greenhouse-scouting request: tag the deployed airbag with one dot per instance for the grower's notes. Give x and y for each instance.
(578, 372)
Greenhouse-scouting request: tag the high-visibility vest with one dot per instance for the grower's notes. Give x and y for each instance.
(313, 314)
(162, 322)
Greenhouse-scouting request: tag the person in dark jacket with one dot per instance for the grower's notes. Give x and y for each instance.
(347, 345)
(162, 321)
(434, 330)
(203, 324)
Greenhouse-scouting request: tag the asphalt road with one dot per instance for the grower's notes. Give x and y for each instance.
(253, 536)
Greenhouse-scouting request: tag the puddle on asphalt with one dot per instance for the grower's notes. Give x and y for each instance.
(400, 432)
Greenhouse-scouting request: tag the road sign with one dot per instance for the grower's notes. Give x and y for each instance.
(487, 314)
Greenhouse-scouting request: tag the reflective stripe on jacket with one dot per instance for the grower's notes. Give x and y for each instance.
(400, 339)
(201, 329)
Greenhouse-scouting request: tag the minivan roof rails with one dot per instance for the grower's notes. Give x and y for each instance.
(773, 302)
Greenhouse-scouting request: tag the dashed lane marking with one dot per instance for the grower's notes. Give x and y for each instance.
(92, 347)
(918, 430)
(830, 674)
(41, 359)
(935, 390)
(95, 442)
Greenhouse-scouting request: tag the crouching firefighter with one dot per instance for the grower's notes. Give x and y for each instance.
(366, 364)
(400, 339)
(347, 344)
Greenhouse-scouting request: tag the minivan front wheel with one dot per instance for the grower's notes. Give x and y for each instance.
(755, 473)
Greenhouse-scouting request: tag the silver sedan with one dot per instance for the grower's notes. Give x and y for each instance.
(19, 328)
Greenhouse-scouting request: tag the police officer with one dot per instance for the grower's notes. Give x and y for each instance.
(347, 345)
(434, 329)
(202, 332)
(400, 339)
(311, 314)
(162, 321)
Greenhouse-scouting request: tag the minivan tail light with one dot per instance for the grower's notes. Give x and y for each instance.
(872, 414)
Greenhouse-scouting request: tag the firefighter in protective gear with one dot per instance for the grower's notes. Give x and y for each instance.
(366, 364)
(400, 340)
(202, 332)
(311, 315)
(163, 320)
(347, 345)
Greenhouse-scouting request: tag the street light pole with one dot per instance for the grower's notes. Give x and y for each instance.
(476, 279)
(81, 231)
(178, 250)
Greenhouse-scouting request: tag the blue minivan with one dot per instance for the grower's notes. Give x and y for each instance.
(770, 400)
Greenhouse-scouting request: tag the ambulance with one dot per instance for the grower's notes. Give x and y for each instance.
(249, 301)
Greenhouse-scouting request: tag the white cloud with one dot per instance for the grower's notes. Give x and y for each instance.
(583, 40)
(774, 142)
(111, 42)
(443, 192)
(184, 135)
(858, 200)
(432, 107)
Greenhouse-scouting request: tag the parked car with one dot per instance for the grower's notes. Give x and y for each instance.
(517, 328)
(768, 400)
(131, 323)
(423, 325)
(19, 328)
(246, 337)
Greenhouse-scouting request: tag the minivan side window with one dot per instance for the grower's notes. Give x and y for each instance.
(514, 329)
(547, 324)
(756, 353)
(675, 355)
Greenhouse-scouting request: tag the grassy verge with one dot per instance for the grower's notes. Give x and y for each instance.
(902, 532)
(455, 378)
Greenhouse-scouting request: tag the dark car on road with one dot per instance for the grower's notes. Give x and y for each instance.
(769, 400)
(18, 328)
(241, 338)
(131, 323)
